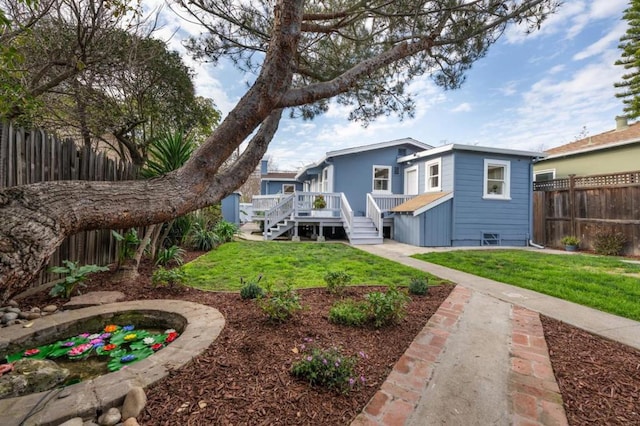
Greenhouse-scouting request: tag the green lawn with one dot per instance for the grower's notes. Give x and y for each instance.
(604, 283)
(302, 265)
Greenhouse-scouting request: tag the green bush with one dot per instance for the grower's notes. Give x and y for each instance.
(609, 243)
(329, 368)
(202, 238)
(387, 308)
(170, 254)
(74, 277)
(225, 231)
(127, 244)
(349, 312)
(280, 304)
(419, 286)
(336, 281)
(251, 289)
(168, 277)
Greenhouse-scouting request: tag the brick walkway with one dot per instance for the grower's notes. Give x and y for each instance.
(534, 397)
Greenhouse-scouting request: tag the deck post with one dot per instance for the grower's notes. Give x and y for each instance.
(296, 237)
(321, 238)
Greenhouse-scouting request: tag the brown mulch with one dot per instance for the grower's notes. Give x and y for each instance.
(243, 378)
(599, 379)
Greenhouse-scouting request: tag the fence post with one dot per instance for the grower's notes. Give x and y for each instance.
(572, 204)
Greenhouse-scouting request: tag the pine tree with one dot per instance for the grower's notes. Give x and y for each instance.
(630, 60)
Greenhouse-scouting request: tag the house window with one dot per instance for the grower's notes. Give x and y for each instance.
(326, 184)
(544, 175)
(382, 179)
(497, 176)
(288, 188)
(432, 173)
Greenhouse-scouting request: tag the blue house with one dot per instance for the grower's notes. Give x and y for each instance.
(453, 195)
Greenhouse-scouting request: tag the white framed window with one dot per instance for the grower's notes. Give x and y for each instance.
(433, 175)
(327, 179)
(288, 188)
(544, 175)
(382, 179)
(411, 180)
(497, 179)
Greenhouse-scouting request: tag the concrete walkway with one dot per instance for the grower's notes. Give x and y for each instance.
(482, 358)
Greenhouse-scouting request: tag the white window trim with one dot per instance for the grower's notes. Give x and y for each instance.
(327, 184)
(406, 172)
(428, 188)
(373, 179)
(288, 184)
(542, 172)
(507, 180)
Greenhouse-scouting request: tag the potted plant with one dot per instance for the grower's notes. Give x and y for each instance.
(320, 203)
(570, 242)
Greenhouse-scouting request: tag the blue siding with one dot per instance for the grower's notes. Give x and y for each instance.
(446, 172)
(353, 174)
(406, 229)
(230, 207)
(271, 187)
(436, 226)
(474, 215)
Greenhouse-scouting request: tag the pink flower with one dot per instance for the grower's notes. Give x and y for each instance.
(80, 349)
(31, 352)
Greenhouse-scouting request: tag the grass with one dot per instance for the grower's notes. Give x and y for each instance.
(603, 283)
(302, 265)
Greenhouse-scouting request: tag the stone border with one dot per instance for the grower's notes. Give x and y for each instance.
(86, 399)
(535, 398)
(399, 395)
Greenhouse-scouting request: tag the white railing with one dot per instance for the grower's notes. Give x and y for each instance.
(346, 213)
(387, 202)
(305, 200)
(279, 212)
(375, 214)
(261, 203)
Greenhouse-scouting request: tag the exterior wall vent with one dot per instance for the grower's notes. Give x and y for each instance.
(396, 170)
(490, 239)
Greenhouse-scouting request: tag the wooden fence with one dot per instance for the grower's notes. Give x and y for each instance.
(31, 155)
(583, 206)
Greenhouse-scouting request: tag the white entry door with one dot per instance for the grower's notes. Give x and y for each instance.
(411, 181)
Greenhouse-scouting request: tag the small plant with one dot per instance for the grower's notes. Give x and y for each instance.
(127, 245)
(171, 254)
(280, 304)
(319, 202)
(349, 312)
(201, 238)
(74, 277)
(251, 289)
(570, 240)
(168, 277)
(225, 231)
(609, 243)
(329, 368)
(336, 281)
(387, 308)
(419, 286)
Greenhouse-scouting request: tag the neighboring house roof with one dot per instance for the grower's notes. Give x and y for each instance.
(364, 148)
(423, 202)
(279, 176)
(476, 148)
(623, 135)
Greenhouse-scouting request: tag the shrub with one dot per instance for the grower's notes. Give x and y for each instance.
(349, 312)
(280, 304)
(329, 368)
(74, 277)
(127, 244)
(251, 289)
(569, 240)
(225, 231)
(168, 277)
(201, 238)
(171, 254)
(336, 281)
(609, 243)
(387, 308)
(419, 286)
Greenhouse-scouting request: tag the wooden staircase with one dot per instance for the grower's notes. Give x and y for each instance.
(363, 231)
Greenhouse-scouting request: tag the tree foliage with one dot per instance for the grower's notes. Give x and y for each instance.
(630, 61)
(302, 53)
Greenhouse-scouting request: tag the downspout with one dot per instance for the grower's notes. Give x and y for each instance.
(531, 243)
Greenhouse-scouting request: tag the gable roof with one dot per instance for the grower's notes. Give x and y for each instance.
(279, 176)
(364, 148)
(423, 202)
(613, 138)
(475, 148)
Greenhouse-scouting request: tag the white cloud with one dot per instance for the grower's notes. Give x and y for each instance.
(602, 45)
(463, 107)
(509, 89)
(557, 69)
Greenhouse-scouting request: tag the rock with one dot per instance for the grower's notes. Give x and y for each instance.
(76, 421)
(31, 375)
(90, 423)
(50, 309)
(9, 316)
(131, 421)
(13, 303)
(110, 418)
(94, 298)
(35, 309)
(12, 309)
(23, 315)
(134, 403)
(32, 315)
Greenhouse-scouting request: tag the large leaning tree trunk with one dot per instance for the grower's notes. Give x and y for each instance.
(364, 52)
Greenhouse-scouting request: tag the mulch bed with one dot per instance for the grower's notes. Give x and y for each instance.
(243, 378)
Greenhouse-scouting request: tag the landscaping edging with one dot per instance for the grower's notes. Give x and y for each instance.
(203, 324)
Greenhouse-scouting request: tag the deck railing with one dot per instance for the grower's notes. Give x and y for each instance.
(262, 203)
(346, 212)
(387, 202)
(375, 214)
(279, 212)
(304, 204)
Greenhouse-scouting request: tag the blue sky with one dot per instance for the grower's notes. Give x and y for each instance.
(530, 92)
